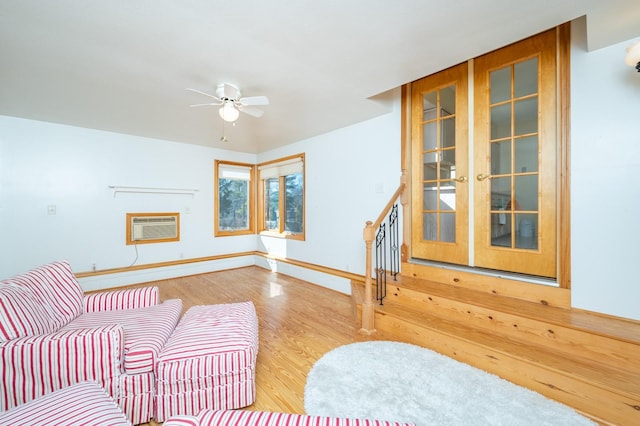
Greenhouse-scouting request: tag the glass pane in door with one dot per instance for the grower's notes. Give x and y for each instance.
(526, 78)
(526, 155)
(439, 165)
(514, 156)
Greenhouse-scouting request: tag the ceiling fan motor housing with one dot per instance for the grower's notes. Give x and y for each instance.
(228, 91)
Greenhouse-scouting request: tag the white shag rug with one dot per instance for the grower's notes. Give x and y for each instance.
(407, 383)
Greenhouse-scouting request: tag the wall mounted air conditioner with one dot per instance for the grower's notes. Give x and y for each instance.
(153, 227)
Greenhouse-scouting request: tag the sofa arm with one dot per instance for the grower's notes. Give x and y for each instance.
(35, 365)
(182, 420)
(121, 299)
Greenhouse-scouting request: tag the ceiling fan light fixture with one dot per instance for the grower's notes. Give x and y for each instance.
(228, 112)
(633, 55)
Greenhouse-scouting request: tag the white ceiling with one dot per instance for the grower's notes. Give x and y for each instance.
(123, 65)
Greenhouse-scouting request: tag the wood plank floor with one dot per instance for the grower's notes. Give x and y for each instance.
(298, 323)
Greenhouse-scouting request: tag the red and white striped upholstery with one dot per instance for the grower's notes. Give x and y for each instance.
(134, 298)
(35, 365)
(146, 330)
(21, 313)
(84, 403)
(210, 417)
(209, 361)
(56, 288)
(48, 341)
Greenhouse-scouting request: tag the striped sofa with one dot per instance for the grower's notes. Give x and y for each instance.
(83, 403)
(209, 417)
(52, 336)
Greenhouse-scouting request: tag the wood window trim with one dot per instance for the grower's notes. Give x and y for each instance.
(216, 229)
(261, 204)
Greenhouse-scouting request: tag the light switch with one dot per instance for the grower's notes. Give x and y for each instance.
(51, 209)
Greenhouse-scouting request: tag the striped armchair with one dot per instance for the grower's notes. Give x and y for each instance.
(209, 417)
(52, 336)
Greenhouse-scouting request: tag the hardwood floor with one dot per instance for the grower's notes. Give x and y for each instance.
(298, 323)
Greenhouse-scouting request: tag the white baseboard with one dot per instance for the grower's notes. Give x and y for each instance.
(342, 285)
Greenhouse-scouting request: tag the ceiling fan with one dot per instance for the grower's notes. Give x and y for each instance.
(228, 97)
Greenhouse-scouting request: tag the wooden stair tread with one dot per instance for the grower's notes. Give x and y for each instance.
(607, 376)
(618, 328)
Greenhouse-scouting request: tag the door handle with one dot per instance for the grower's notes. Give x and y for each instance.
(461, 179)
(482, 177)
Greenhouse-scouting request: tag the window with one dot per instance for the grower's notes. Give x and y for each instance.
(281, 197)
(234, 198)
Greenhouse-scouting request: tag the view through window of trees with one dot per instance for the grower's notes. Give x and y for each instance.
(234, 198)
(280, 200)
(293, 203)
(282, 211)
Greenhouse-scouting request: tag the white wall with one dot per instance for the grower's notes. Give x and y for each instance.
(605, 179)
(351, 173)
(44, 164)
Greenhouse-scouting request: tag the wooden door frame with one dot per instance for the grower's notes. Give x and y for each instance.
(563, 255)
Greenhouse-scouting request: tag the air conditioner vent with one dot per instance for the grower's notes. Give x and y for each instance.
(155, 227)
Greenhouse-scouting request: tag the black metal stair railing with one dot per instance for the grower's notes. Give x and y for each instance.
(384, 251)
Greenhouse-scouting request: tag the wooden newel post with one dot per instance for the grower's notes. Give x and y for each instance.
(368, 307)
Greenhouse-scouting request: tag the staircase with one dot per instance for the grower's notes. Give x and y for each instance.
(587, 361)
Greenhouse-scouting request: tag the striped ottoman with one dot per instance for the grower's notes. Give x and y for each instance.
(209, 361)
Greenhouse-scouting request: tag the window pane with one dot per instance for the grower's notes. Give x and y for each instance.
(448, 133)
(501, 193)
(429, 105)
(447, 198)
(527, 235)
(526, 78)
(500, 85)
(294, 204)
(526, 192)
(501, 121)
(448, 101)
(430, 226)
(233, 204)
(430, 136)
(271, 204)
(527, 154)
(448, 160)
(500, 158)
(526, 120)
(430, 196)
(448, 228)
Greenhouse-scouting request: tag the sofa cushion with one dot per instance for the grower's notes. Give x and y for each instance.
(56, 288)
(84, 403)
(145, 331)
(21, 314)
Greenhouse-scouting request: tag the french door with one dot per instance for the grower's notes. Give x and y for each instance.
(496, 185)
(440, 187)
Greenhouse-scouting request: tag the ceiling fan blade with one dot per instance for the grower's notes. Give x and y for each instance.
(254, 112)
(206, 94)
(254, 100)
(209, 104)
